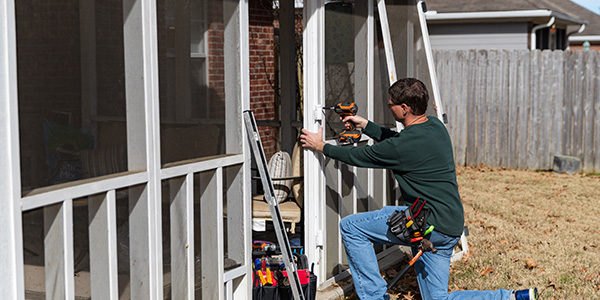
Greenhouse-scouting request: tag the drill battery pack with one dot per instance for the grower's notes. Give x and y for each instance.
(410, 225)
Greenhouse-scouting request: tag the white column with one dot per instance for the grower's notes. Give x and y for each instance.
(242, 287)
(143, 147)
(314, 97)
(11, 238)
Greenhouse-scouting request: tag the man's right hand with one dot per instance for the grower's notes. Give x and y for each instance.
(358, 121)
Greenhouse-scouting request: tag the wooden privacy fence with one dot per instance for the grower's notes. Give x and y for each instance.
(519, 108)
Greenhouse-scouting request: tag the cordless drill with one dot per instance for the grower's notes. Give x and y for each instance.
(345, 109)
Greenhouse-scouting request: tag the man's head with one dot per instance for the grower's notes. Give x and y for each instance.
(411, 92)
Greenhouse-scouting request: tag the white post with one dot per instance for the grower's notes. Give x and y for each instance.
(430, 64)
(143, 147)
(237, 91)
(243, 286)
(314, 96)
(388, 47)
(371, 87)
(387, 41)
(11, 253)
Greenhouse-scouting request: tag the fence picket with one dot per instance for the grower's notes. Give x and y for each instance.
(490, 131)
(512, 111)
(596, 167)
(589, 90)
(460, 113)
(503, 121)
(557, 104)
(534, 116)
(545, 105)
(481, 105)
(523, 107)
(568, 103)
(578, 105)
(472, 96)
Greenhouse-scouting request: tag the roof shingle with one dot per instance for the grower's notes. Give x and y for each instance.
(560, 6)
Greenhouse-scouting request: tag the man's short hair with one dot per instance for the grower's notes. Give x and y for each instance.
(412, 92)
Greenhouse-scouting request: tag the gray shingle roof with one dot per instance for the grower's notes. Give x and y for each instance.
(561, 6)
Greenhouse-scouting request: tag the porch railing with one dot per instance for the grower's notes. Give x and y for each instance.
(196, 263)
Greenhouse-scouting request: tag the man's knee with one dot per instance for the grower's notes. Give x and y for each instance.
(345, 225)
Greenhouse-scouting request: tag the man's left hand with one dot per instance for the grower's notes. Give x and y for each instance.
(312, 140)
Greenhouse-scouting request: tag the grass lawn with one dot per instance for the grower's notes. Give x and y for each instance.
(527, 229)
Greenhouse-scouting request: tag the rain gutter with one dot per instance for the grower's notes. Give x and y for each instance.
(580, 30)
(536, 28)
(583, 38)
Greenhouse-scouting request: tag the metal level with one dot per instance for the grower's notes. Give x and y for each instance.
(265, 177)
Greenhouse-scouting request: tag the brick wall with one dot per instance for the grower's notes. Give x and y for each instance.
(216, 70)
(580, 47)
(262, 71)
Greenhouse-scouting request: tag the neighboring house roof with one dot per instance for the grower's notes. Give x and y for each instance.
(561, 6)
(538, 11)
(592, 28)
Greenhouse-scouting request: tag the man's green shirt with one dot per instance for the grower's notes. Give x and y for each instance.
(420, 156)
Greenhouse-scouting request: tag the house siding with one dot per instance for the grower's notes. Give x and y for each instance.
(509, 36)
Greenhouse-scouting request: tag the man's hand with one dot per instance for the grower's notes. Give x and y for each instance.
(312, 140)
(358, 121)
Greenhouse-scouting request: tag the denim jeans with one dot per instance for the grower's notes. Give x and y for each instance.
(359, 233)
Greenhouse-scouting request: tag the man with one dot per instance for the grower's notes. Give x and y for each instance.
(421, 158)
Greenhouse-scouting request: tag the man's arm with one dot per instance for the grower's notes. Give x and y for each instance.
(314, 140)
(377, 132)
(381, 155)
(378, 156)
(371, 129)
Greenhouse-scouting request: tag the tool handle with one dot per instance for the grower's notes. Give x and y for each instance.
(352, 126)
(414, 259)
(398, 276)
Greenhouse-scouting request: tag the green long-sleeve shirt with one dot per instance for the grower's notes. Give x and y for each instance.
(420, 156)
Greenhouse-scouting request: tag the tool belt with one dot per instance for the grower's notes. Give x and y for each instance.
(410, 225)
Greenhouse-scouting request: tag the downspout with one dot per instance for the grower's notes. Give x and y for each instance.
(580, 30)
(536, 28)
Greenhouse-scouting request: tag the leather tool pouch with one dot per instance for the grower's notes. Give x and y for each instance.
(410, 224)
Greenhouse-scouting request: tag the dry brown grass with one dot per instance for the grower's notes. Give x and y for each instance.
(534, 229)
(528, 229)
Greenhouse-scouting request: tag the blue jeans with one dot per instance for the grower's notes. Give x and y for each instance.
(359, 233)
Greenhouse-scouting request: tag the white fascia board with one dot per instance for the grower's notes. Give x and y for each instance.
(583, 38)
(432, 15)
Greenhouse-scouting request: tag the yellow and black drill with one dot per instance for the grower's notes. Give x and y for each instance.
(345, 109)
